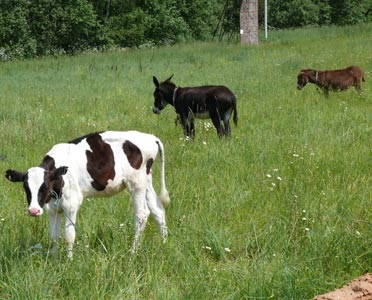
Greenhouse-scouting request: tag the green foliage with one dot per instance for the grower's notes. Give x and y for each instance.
(165, 24)
(47, 27)
(346, 12)
(15, 37)
(67, 26)
(297, 13)
(128, 30)
(278, 211)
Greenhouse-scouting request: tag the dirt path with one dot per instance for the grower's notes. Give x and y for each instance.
(358, 289)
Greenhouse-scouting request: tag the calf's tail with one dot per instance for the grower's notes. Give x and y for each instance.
(164, 196)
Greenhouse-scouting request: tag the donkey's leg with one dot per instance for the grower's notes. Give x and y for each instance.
(226, 122)
(215, 117)
(192, 128)
(227, 127)
(185, 125)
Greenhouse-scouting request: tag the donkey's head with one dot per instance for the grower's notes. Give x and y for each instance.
(163, 94)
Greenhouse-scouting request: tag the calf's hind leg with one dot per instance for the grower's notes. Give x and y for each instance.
(157, 210)
(141, 214)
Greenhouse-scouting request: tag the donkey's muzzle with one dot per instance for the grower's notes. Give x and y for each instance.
(156, 110)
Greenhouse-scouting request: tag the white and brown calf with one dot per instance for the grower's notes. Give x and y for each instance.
(96, 165)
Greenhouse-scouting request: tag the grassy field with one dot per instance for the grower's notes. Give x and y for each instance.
(281, 210)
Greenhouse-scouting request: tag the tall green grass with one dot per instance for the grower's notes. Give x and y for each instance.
(281, 210)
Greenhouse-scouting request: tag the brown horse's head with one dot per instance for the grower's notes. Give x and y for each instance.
(303, 77)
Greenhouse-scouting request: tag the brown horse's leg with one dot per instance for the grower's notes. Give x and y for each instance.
(326, 92)
(358, 86)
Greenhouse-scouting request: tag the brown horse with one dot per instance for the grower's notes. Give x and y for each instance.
(210, 101)
(336, 80)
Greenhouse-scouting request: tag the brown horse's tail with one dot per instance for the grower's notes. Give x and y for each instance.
(235, 111)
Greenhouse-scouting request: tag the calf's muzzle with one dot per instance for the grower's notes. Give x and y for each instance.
(34, 212)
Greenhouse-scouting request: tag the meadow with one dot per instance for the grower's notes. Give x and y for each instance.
(281, 210)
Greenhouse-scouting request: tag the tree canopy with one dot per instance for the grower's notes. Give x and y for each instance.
(30, 28)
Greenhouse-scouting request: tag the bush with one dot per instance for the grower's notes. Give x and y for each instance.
(128, 30)
(15, 36)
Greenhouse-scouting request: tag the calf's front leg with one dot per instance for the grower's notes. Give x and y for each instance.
(54, 228)
(70, 221)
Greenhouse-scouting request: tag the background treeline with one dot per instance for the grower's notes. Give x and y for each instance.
(30, 28)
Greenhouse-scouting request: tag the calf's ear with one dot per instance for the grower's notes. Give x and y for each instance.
(156, 81)
(15, 176)
(55, 174)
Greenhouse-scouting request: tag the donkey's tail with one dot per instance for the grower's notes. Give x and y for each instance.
(235, 112)
(164, 196)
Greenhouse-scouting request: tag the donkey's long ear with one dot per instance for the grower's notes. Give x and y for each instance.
(169, 79)
(15, 176)
(156, 81)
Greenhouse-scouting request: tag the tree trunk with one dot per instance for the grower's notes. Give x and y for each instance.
(249, 22)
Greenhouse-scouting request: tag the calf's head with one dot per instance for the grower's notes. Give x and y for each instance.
(163, 94)
(38, 184)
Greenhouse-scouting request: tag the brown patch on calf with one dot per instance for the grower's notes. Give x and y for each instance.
(101, 163)
(79, 139)
(133, 154)
(50, 184)
(149, 165)
(48, 163)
